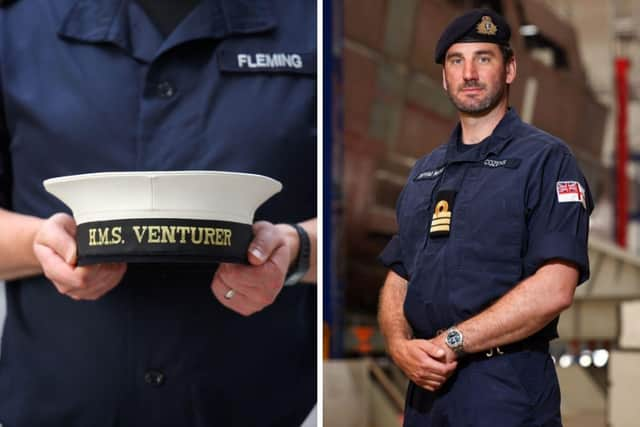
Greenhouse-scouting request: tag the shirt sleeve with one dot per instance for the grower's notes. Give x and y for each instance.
(392, 255)
(558, 208)
(5, 161)
(392, 258)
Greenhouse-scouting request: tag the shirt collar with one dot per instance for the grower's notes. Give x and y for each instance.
(123, 23)
(493, 144)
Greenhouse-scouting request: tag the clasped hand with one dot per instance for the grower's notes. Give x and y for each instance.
(255, 286)
(55, 248)
(427, 363)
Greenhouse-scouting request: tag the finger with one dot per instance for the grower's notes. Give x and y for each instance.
(450, 368)
(105, 278)
(85, 278)
(431, 349)
(62, 289)
(59, 235)
(66, 221)
(261, 283)
(88, 276)
(433, 366)
(54, 268)
(421, 373)
(431, 385)
(242, 277)
(424, 372)
(238, 302)
(432, 376)
(96, 280)
(108, 274)
(252, 298)
(427, 363)
(270, 274)
(279, 261)
(265, 240)
(92, 293)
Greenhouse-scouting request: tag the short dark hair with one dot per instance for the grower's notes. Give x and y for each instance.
(507, 53)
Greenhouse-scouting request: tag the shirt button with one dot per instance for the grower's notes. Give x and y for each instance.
(166, 90)
(154, 378)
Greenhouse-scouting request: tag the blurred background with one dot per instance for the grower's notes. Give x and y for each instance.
(579, 79)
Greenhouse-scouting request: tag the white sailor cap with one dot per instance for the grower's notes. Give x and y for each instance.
(177, 216)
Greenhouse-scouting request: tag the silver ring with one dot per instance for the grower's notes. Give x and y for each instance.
(229, 294)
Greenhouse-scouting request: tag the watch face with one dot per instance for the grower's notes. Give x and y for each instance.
(454, 338)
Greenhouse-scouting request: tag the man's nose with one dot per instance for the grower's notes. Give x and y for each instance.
(470, 72)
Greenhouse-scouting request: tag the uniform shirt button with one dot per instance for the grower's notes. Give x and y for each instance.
(154, 377)
(165, 90)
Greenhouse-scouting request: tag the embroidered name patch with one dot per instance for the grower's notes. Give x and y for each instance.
(505, 163)
(430, 174)
(570, 191)
(287, 62)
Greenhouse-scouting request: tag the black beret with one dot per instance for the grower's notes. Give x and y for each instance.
(476, 25)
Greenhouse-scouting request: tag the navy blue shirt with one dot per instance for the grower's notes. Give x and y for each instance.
(91, 86)
(514, 202)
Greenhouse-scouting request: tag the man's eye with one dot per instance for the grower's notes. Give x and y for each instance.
(456, 61)
(484, 59)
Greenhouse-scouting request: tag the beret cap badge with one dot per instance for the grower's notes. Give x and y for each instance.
(486, 26)
(481, 25)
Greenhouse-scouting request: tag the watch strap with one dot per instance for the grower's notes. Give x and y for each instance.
(300, 266)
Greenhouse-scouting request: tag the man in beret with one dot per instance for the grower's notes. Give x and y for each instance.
(491, 245)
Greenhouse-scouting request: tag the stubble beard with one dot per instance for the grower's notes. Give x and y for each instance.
(481, 106)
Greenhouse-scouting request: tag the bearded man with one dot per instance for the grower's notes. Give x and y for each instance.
(491, 245)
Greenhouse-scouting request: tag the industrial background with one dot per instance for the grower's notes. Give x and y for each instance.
(579, 79)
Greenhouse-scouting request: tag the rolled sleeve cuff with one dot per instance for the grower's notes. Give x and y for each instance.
(391, 257)
(564, 246)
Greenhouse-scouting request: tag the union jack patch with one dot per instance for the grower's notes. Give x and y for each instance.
(570, 191)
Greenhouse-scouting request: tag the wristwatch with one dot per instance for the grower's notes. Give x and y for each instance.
(455, 340)
(301, 264)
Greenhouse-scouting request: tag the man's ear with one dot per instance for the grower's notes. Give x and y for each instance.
(444, 81)
(512, 67)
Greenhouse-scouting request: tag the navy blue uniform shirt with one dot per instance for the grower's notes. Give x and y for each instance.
(518, 201)
(92, 85)
(473, 223)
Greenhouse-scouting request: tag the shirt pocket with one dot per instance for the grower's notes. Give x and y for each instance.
(261, 115)
(487, 240)
(490, 219)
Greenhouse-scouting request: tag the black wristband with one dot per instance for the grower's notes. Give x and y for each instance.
(300, 266)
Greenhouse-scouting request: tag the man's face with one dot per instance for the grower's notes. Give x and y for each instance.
(475, 76)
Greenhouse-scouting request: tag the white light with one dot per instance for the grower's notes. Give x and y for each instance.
(585, 359)
(565, 360)
(600, 357)
(529, 30)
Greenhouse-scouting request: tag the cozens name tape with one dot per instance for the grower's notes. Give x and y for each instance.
(163, 240)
